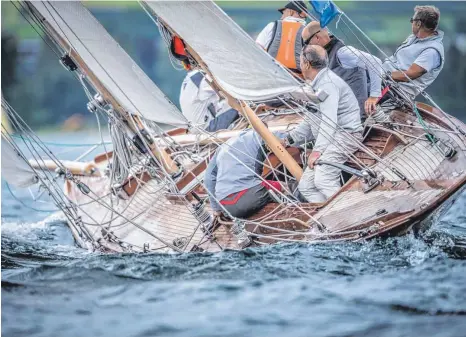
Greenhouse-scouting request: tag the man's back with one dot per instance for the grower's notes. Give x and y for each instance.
(239, 161)
(198, 101)
(348, 112)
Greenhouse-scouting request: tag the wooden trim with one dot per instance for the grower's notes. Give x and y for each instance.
(133, 183)
(75, 167)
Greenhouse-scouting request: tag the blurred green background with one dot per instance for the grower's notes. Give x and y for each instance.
(46, 95)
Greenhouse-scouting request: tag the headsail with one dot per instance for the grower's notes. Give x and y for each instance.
(15, 169)
(121, 76)
(239, 66)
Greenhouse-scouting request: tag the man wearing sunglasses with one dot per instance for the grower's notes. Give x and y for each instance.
(420, 58)
(282, 38)
(351, 64)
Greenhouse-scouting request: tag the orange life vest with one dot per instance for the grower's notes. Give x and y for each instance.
(287, 43)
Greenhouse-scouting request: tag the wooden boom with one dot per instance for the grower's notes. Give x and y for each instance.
(273, 143)
(75, 167)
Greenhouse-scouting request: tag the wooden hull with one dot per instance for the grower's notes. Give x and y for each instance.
(153, 219)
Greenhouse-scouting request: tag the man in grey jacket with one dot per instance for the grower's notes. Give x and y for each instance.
(336, 133)
(233, 175)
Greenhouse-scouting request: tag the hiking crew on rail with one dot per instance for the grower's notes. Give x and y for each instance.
(418, 61)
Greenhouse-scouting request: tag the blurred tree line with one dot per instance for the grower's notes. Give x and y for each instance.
(46, 94)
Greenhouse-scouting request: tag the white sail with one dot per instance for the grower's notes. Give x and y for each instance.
(15, 170)
(120, 75)
(240, 66)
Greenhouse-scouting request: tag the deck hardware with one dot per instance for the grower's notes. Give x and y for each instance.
(371, 180)
(207, 224)
(240, 234)
(197, 249)
(370, 177)
(97, 103)
(68, 63)
(381, 212)
(370, 230)
(110, 236)
(445, 148)
(401, 176)
(180, 242)
(424, 205)
(146, 247)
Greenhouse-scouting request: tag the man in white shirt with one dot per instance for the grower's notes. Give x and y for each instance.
(351, 64)
(282, 38)
(202, 106)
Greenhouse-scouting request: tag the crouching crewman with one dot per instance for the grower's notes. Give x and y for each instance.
(337, 132)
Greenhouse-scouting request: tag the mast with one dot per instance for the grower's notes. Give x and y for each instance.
(133, 122)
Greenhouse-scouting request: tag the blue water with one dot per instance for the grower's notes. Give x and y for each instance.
(409, 286)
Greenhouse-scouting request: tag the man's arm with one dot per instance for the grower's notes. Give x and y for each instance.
(428, 60)
(413, 72)
(210, 182)
(351, 57)
(302, 133)
(265, 36)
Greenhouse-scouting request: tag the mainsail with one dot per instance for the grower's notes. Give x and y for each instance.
(121, 76)
(242, 68)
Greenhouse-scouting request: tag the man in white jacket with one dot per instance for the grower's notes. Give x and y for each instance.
(202, 106)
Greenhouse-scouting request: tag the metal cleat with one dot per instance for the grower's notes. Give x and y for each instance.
(241, 234)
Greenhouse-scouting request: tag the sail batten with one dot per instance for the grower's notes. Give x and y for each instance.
(238, 64)
(114, 68)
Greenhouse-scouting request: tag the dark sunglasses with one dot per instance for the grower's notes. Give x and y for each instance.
(306, 42)
(412, 20)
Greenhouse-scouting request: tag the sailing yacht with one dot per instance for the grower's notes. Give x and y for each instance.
(148, 194)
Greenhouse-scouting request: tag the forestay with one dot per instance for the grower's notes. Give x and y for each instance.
(120, 75)
(241, 67)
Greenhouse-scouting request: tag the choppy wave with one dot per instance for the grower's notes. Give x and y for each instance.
(387, 287)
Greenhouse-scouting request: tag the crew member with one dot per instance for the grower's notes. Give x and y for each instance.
(233, 176)
(282, 38)
(351, 64)
(202, 106)
(338, 111)
(420, 58)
